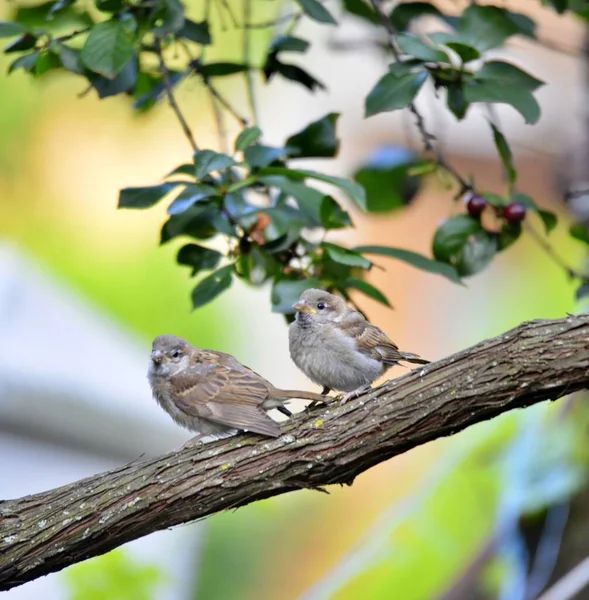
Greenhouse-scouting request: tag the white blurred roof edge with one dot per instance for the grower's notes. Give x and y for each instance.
(69, 373)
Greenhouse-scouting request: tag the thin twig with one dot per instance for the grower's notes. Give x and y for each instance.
(247, 15)
(566, 588)
(220, 121)
(225, 103)
(170, 95)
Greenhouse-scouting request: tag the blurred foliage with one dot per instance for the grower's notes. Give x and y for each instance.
(113, 576)
(269, 211)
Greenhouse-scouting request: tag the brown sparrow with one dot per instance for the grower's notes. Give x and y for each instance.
(336, 347)
(212, 393)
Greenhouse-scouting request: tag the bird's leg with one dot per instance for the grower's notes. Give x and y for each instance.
(324, 392)
(195, 441)
(354, 394)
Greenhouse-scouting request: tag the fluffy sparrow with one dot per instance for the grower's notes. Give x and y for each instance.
(212, 393)
(336, 347)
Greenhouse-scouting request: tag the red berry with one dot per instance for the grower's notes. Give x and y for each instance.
(514, 213)
(475, 205)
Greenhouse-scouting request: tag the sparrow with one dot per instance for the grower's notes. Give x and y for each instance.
(336, 347)
(212, 393)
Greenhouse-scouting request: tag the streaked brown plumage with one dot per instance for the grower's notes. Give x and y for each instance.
(212, 393)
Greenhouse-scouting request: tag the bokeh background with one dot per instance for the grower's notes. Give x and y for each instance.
(84, 288)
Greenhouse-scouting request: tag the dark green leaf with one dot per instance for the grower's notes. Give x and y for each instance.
(464, 51)
(109, 5)
(308, 199)
(154, 88)
(198, 257)
(211, 286)
(456, 101)
(285, 292)
(476, 253)
(413, 46)
(332, 215)
(144, 197)
(523, 199)
(345, 256)
(316, 11)
(207, 161)
(247, 137)
(316, 140)
(10, 29)
(24, 42)
(48, 61)
(359, 8)
(197, 222)
(26, 62)
(366, 289)
(171, 16)
(262, 156)
(506, 74)
(70, 59)
(353, 190)
(524, 24)
(123, 82)
(404, 12)
(505, 154)
(36, 16)
(508, 235)
(386, 180)
(393, 93)
(222, 69)
(494, 199)
(110, 45)
(582, 291)
(560, 6)
(195, 32)
(58, 7)
(191, 194)
(548, 218)
(580, 232)
(451, 236)
(185, 169)
(292, 72)
(414, 259)
(485, 27)
(288, 43)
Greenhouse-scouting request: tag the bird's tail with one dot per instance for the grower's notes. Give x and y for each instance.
(288, 394)
(413, 358)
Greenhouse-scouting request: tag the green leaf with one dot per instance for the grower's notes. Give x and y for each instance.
(366, 289)
(476, 253)
(549, 219)
(414, 47)
(345, 256)
(70, 59)
(582, 291)
(451, 236)
(579, 232)
(466, 52)
(123, 82)
(172, 16)
(211, 286)
(24, 42)
(110, 45)
(361, 9)
(185, 169)
(506, 74)
(222, 69)
(288, 43)
(316, 140)
(494, 199)
(48, 61)
(353, 190)
(285, 292)
(485, 27)
(505, 154)
(262, 156)
(405, 12)
(414, 259)
(308, 199)
(332, 215)
(291, 72)
(508, 235)
(109, 5)
(198, 257)
(191, 194)
(10, 29)
(393, 93)
(386, 180)
(197, 222)
(195, 32)
(316, 11)
(207, 161)
(455, 100)
(26, 62)
(247, 137)
(144, 197)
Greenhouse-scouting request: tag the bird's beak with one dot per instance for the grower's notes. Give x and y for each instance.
(157, 357)
(303, 307)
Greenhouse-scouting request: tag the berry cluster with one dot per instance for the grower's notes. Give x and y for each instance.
(513, 213)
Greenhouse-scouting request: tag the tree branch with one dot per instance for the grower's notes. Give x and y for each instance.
(46, 532)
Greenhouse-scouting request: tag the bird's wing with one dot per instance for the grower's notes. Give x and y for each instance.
(370, 340)
(224, 394)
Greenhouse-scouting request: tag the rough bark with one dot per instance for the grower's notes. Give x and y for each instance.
(46, 532)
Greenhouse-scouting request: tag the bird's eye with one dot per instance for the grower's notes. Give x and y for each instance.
(320, 306)
(176, 354)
